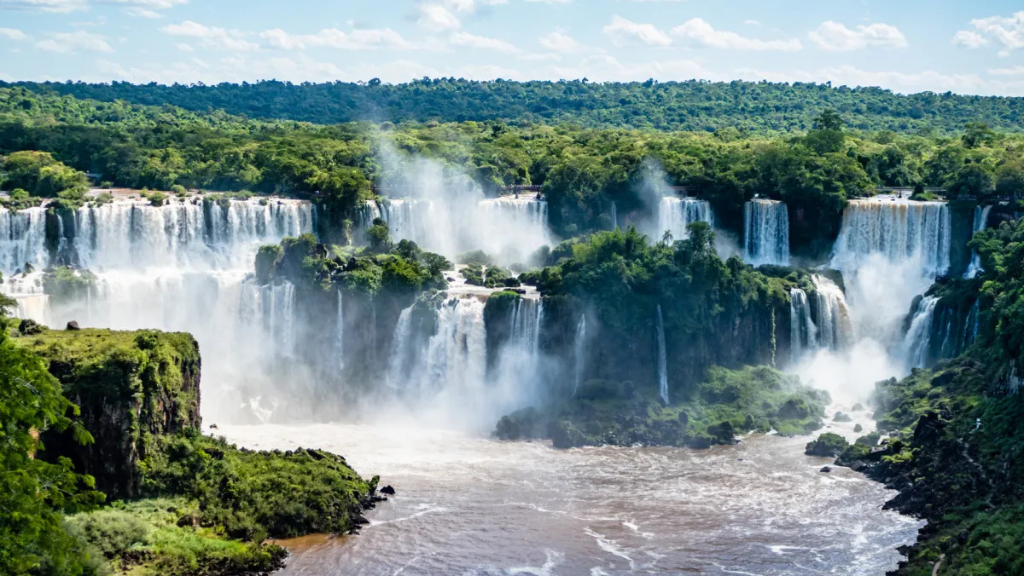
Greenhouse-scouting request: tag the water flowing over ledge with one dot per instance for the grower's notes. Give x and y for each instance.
(766, 232)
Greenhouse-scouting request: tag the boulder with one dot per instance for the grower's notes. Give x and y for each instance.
(857, 407)
(73, 325)
(388, 490)
(827, 445)
(826, 469)
(858, 428)
(840, 417)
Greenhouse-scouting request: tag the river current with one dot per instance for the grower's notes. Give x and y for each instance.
(467, 505)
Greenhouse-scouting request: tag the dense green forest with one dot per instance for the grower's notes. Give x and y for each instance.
(582, 171)
(691, 106)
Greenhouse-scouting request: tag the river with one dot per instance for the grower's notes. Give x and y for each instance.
(474, 506)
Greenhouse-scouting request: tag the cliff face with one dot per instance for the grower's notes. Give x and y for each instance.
(131, 388)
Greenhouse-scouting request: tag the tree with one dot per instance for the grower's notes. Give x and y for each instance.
(34, 493)
(827, 135)
(977, 134)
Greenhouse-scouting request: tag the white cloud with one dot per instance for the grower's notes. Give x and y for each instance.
(13, 34)
(834, 36)
(1014, 71)
(752, 22)
(438, 18)
(211, 36)
(550, 1)
(143, 13)
(481, 42)
(236, 68)
(1008, 31)
(969, 39)
(903, 82)
(363, 39)
(45, 5)
(559, 41)
(698, 31)
(70, 42)
(621, 31)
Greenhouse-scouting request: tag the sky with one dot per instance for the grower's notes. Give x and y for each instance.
(904, 45)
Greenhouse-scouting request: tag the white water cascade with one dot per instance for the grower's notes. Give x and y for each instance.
(675, 214)
(766, 232)
(918, 339)
(981, 214)
(803, 333)
(185, 266)
(835, 329)
(899, 230)
(509, 227)
(22, 239)
(662, 358)
(580, 353)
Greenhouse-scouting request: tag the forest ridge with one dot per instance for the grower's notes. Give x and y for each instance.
(750, 107)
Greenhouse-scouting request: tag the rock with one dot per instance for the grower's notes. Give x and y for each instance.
(857, 407)
(29, 327)
(795, 409)
(213, 426)
(565, 435)
(826, 469)
(73, 325)
(858, 428)
(840, 417)
(388, 490)
(683, 419)
(827, 445)
(929, 429)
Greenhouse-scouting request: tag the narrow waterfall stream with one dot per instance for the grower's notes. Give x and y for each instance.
(766, 232)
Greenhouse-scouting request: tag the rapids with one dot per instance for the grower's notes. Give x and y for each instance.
(467, 505)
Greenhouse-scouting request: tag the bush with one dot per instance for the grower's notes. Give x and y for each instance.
(157, 199)
(179, 190)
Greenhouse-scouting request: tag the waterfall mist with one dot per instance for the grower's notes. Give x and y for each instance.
(443, 210)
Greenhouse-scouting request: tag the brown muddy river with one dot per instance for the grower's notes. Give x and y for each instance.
(473, 506)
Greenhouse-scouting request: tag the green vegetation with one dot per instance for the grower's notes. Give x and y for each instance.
(827, 445)
(726, 403)
(715, 312)
(828, 158)
(740, 107)
(956, 432)
(193, 504)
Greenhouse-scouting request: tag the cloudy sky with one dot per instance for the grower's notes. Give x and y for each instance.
(906, 45)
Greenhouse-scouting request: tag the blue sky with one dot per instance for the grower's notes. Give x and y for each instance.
(905, 45)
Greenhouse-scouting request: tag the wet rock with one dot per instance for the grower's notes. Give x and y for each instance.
(388, 490)
(827, 445)
(565, 435)
(826, 469)
(73, 325)
(858, 428)
(29, 327)
(929, 429)
(840, 417)
(213, 426)
(857, 407)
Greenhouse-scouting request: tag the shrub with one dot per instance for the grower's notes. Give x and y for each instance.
(827, 445)
(157, 199)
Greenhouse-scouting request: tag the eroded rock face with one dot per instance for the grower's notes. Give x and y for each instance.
(130, 387)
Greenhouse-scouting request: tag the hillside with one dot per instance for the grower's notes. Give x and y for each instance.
(691, 105)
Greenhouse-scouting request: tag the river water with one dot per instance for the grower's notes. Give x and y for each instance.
(472, 506)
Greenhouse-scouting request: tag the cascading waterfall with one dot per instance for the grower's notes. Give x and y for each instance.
(580, 352)
(766, 232)
(456, 357)
(450, 226)
(803, 332)
(185, 266)
(918, 339)
(835, 329)
(981, 214)
(615, 215)
(339, 331)
(400, 359)
(899, 230)
(22, 239)
(662, 359)
(675, 214)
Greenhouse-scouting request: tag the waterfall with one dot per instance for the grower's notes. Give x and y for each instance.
(803, 332)
(511, 225)
(615, 216)
(402, 348)
(917, 342)
(835, 329)
(339, 331)
(662, 360)
(981, 214)
(580, 355)
(22, 239)
(766, 232)
(456, 358)
(898, 230)
(675, 214)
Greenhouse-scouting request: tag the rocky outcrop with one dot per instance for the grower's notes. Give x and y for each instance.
(131, 387)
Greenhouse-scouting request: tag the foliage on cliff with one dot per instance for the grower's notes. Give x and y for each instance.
(715, 411)
(131, 388)
(35, 492)
(715, 312)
